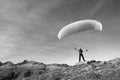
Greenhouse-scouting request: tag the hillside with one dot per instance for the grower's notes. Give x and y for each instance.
(89, 70)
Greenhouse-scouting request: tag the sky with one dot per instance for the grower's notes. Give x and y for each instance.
(29, 28)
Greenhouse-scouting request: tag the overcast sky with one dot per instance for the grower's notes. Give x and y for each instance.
(29, 28)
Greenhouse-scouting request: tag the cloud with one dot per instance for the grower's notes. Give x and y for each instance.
(7, 41)
(24, 25)
(97, 7)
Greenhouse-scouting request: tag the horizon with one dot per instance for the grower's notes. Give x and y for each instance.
(29, 28)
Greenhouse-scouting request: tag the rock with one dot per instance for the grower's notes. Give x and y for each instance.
(82, 63)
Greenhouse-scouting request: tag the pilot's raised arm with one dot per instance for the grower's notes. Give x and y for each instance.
(86, 50)
(76, 49)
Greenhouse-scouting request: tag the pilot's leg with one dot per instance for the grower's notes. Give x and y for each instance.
(79, 57)
(83, 57)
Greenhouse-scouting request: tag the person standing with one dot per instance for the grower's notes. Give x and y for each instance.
(80, 54)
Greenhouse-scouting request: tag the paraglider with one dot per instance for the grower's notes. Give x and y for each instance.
(79, 26)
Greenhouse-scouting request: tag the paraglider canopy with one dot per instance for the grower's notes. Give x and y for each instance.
(79, 26)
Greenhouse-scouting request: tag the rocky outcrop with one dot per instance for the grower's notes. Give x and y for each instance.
(89, 70)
